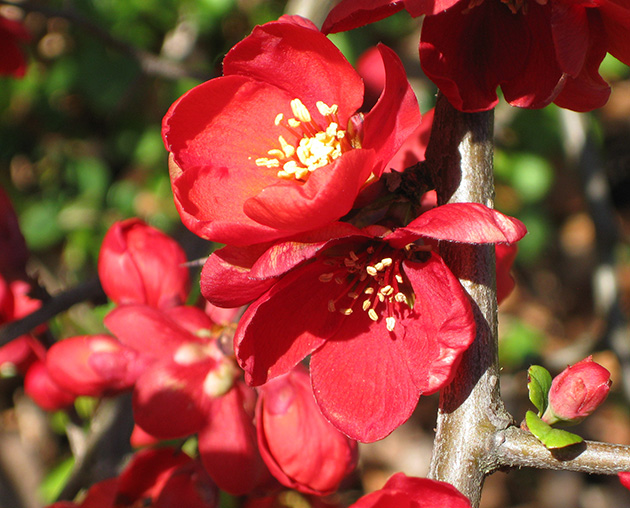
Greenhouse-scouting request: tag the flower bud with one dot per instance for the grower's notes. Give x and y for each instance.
(300, 447)
(576, 392)
(40, 387)
(139, 264)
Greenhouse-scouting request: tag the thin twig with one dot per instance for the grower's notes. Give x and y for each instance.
(518, 448)
(150, 63)
(87, 291)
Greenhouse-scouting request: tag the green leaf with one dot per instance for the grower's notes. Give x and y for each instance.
(55, 480)
(538, 386)
(547, 435)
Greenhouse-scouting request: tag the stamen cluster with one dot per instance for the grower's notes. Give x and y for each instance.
(378, 282)
(314, 147)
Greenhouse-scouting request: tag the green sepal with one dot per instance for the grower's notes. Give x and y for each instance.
(547, 435)
(538, 386)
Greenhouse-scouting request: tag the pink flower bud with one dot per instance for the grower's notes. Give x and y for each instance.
(300, 447)
(576, 392)
(139, 264)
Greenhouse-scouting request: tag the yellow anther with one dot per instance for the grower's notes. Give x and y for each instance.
(279, 118)
(391, 322)
(294, 123)
(371, 270)
(346, 312)
(372, 315)
(387, 261)
(379, 266)
(301, 173)
(366, 304)
(288, 149)
(369, 291)
(268, 163)
(399, 279)
(387, 290)
(381, 298)
(353, 255)
(331, 305)
(290, 167)
(274, 152)
(326, 110)
(300, 111)
(284, 175)
(353, 295)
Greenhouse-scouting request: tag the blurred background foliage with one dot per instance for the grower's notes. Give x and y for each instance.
(80, 147)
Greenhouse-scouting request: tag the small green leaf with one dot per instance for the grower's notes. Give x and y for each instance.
(538, 386)
(547, 435)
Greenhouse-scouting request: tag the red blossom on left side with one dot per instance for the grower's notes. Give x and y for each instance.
(139, 264)
(276, 145)
(405, 491)
(12, 35)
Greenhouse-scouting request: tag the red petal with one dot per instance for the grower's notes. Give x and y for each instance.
(444, 322)
(147, 330)
(616, 18)
(227, 445)
(226, 276)
(588, 90)
(396, 114)
(362, 381)
(168, 401)
(286, 324)
(350, 14)
(461, 222)
(569, 27)
(327, 195)
(301, 61)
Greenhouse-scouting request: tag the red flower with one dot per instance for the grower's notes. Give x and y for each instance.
(576, 392)
(401, 490)
(189, 386)
(302, 450)
(382, 317)
(139, 264)
(537, 52)
(12, 61)
(160, 478)
(276, 146)
(624, 478)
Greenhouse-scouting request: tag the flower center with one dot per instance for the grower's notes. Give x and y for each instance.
(314, 146)
(372, 278)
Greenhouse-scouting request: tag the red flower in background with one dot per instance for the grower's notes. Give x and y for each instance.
(275, 146)
(300, 447)
(160, 478)
(537, 52)
(382, 317)
(12, 34)
(141, 265)
(404, 491)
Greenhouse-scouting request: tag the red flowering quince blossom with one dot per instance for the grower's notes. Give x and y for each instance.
(402, 491)
(300, 447)
(537, 51)
(275, 146)
(139, 264)
(381, 315)
(190, 386)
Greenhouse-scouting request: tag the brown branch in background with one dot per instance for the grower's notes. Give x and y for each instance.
(149, 63)
(90, 290)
